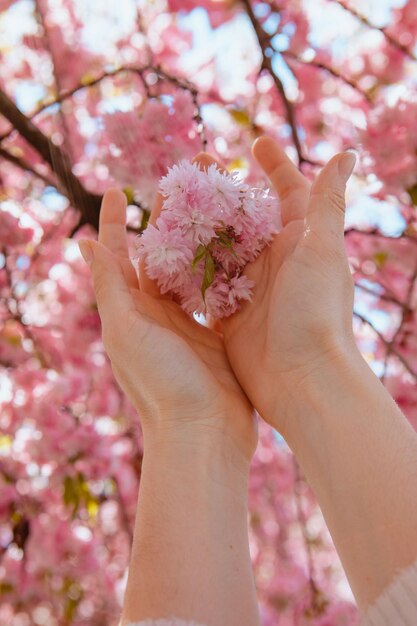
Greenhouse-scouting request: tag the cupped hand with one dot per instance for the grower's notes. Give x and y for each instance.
(174, 370)
(301, 313)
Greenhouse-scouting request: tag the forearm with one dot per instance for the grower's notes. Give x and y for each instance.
(359, 455)
(190, 556)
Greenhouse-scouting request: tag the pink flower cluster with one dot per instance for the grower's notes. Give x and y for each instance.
(211, 225)
(12, 232)
(144, 144)
(390, 141)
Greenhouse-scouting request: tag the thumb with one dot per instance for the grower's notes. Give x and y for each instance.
(114, 300)
(327, 204)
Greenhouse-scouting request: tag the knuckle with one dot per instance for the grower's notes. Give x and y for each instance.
(334, 195)
(337, 198)
(108, 336)
(100, 281)
(328, 251)
(111, 339)
(318, 244)
(119, 338)
(119, 249)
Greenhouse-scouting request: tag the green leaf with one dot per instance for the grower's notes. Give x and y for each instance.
(70, 609)
(73, 594)
(209, 272)
(71, 493)
(5, 443)
(129, 193)
(87, 79)
(6, 587)
(412, 192)
(199, 255)
(225, 241)
(14, 340)
(240, 116)
(237, 164)
(77, 493)
(380, 258)
(92, 508)
(145, 219)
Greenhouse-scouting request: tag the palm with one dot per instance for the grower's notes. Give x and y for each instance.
(192, 362)
(247, 333)
(303, 296)
(277, 293)
(175, 356)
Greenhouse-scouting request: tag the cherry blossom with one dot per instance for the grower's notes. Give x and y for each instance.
(212, 224)
(125, 102)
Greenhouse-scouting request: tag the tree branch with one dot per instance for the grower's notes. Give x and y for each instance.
(86, 202)
(40, 15)
(383, 296)
(388, 344)
(267, 50)
(374, 232)
(26, 166)
(319, 601)
(405, 310)
(394, 42)
(68, 93)
(330, 70)
(140, 71)
(12, 303)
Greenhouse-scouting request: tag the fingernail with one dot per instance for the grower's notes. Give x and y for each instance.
(200, 155)
(86, 251)
(346, 164)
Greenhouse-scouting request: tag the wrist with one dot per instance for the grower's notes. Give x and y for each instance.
(310, 392)
(191, 535)
(355, 448)
(198, 453)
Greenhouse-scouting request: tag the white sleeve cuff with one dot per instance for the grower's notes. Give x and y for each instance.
(170, 621)
(397, 605)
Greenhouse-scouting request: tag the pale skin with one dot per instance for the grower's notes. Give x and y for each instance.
(194, 388)
(190, 556)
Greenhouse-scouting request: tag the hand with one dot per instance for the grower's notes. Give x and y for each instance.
(174, 370)
(301, 312)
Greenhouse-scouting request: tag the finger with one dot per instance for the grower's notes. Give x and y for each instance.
(114, 300)
(291, 186)
(112, 231)
(148, 285)
(214, 324)
(327, 204)
(204, 160)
